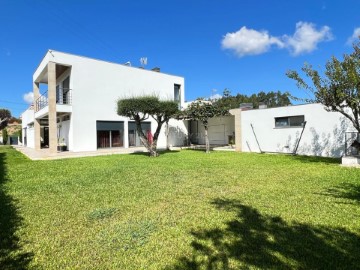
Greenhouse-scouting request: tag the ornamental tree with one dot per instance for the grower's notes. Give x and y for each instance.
(140, 109)
(202, 110)
(5, 116)
(338, 88)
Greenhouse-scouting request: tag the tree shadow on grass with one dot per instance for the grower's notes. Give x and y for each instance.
(160, 152)
(345, 191)
(11, 254)
(312, 159)
(253, 240)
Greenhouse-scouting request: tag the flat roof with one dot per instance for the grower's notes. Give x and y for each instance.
(106, 61)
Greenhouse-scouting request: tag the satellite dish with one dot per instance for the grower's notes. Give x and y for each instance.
(143, 61)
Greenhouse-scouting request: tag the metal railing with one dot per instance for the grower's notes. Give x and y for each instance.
(41, 102)
(63, 97)
(350, 137)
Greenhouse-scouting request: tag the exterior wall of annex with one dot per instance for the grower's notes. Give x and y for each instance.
(279, 130)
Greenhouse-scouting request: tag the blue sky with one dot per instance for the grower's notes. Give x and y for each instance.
(245, 46)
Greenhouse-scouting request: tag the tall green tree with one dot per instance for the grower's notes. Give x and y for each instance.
(202, 110)
(271, 99)
(338, 88)
(5, 116)
(140, 109)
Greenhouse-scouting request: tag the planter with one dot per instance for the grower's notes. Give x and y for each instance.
(62, 148)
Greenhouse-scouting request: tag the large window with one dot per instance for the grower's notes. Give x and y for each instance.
(289, 121)
(110, 134)
(134, 139)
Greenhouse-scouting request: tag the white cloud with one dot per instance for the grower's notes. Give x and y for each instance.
(306, 38)
(354, 37)
(249, 42)
(29, 97)
(215, 97)
(252, 42)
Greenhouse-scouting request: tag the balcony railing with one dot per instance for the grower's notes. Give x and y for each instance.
(63, 97)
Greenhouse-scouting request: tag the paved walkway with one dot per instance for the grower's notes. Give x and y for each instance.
(44, 154)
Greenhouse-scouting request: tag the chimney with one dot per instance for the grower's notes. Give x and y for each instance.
(262, 105)
(156, 69)
(246, 106)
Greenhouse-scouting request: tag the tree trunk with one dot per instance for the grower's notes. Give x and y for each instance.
(145, 142)
(167, 135)
(207, 143)
(3, 120)
(155, 139)
(153, 152)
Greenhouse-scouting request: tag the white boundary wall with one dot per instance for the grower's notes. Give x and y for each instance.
(324, 134)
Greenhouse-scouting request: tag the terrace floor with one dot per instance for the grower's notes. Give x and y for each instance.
(44, 154)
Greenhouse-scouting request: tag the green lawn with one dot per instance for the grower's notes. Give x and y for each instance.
(182, 210)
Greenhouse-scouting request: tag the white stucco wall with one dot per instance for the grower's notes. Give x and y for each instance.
(27, 118)
(97, 85)
(30, 137)
(64, 133)
(324, 134)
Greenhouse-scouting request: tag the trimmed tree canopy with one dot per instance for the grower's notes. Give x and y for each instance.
(140, 109)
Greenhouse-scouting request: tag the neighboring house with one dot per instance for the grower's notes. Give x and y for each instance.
(13, 128)
(78, 109)
(279, 130)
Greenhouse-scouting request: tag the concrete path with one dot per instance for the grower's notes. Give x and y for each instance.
(44, 154)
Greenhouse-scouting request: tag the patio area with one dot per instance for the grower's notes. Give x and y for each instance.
(44, 154)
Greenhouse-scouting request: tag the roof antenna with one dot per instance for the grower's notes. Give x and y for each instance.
(143, 61)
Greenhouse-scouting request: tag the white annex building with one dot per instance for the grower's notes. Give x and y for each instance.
(75, 104)
(305, 129)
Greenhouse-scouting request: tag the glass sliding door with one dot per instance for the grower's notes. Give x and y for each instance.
(134, 139)
(110, 134)
(103, 139)
(117, 138)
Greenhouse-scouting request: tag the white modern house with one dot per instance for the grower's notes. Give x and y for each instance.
(305, 129)
(75, 104)
(75, 108)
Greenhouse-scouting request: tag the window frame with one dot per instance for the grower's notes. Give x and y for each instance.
(177, 94)
(289, 124)
(103, 126)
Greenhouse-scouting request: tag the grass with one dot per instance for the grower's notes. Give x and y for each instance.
(182, 210)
